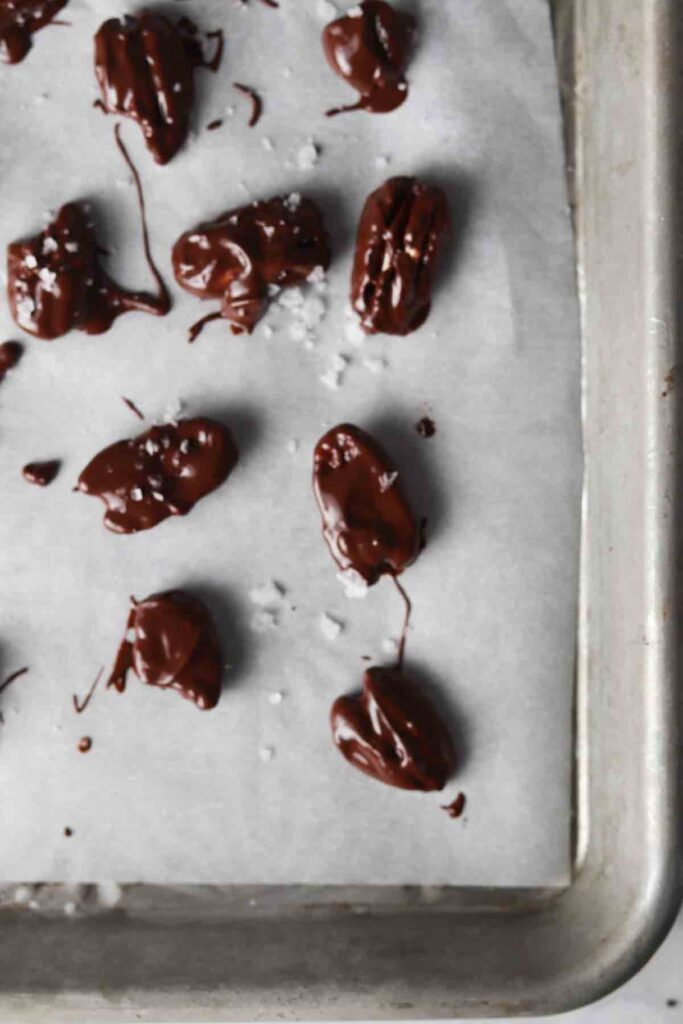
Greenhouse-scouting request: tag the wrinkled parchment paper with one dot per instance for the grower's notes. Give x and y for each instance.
(255, 792)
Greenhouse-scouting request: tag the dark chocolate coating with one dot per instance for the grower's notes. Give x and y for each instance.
(400, 233)
(392, 732)
(367, 522)
(144, 66)
(41, 473)
(234, 258)
(19, 19)
(174, 646)
(55, 282)
(10, 354)
(163, 472)
(370, 51)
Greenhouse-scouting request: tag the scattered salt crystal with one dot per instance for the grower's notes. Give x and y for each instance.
(268, 594)
(317, 277)
(293, 201)
(266, 753)
(375, 365)
(307, 156)
(298, 331)
(293, 446)
(47, 277)
(30, 261)
(230, 111)
(33, 905)
(381, 162)
(184, 446)
(354, 332)
(387, 481)
(291, 297)
(23, 894)
(71, 246)
(109, 894)
(273, 290)
(332, 378)
(267, 331)
(70, 908)
(152, 447)
(330, 628)
(136, 494)
(49, 245)
(158, 496)
(267, 144)
(355, 12)
(312, 310)
(353, 583)
(177, 87)
(173, 411)
(276, 697)
(390, 645)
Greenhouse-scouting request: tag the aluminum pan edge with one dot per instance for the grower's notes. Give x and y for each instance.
(319, 954)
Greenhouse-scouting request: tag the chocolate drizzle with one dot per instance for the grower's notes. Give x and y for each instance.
(55, 282)
(41, 473)
(400, 233)
(81, 705)
(370, 49)
(367, 522)
(144, 66)
(12, 678)
(163, 472)
(456, 807)
(256, 102)
(19, 19)
(10, 354)
(236, 257)
(392, 732)
(171, 642)
(133, 407)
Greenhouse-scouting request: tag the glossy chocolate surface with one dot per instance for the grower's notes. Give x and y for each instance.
(400, 233)
(41, 473)
(163, 472)
(392, 732)
(370, 49)
(236, 257)
(10, 354)
(144, 66)
(367, 522)
(171, 642)
(19, 19)
(55, 282)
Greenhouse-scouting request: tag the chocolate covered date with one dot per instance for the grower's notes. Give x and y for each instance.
(163, 472)
(171, 642)
(367, 522)
(392, 732)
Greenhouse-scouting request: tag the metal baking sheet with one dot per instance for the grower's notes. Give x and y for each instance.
(238, 953)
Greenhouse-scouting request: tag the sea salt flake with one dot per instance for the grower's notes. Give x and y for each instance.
(330, 627)
(293, 446)
(387, 480)
(293, 201)
(30, 261)
(136, 494)
(109, 894)
(276, 697)
(375, 365)
(267, 331)
(267, 144)
(307, 156)
(390, 645)
(354, 585)
(264, 620)
(266, 753)
(267, 594)
(291, 297)
(49, 245)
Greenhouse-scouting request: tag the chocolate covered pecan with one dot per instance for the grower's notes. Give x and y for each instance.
(144, 66)
(401, 231)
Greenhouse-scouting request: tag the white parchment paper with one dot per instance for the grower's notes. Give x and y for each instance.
(255, 792)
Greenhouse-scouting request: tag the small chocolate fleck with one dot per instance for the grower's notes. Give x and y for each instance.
(84, 744)
(133, 407)
(455, 809)
(41, 473)
(256, 102)
(672, 1003)
(213, 125)
(426, 427)
(68, 832)
(12, 678)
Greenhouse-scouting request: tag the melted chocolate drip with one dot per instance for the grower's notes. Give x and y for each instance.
(144, 66)
(456, 808)
(10, 354)
(19, 19)
(392, 732)
(426, 427)
(81, 705)
(163, 472)
(400, 233)
(174, 645)
(367, 523)
(41, 473)
(133, 407)
(84, 744)
(12, 678)
(234, 258)
(370, 51)
(55, 282)
(256, 102)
